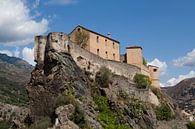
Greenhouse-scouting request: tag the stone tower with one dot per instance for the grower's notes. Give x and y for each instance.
(134, 56)
(154, 76)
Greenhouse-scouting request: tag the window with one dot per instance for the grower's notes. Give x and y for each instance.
(106, 55)
(98, 52)
(154, 70)
(79, 29)
(114, 56)
(97, 39)
(106, 42)
(113, 45)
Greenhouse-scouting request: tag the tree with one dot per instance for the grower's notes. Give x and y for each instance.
(81, 38)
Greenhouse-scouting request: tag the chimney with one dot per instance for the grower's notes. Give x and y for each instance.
(109, 35)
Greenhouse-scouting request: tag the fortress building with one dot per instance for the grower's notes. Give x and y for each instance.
(99, 51)
(101, 45)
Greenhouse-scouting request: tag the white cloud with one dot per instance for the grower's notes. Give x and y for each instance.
(174, 81)
(162, 65)
(28, 55)
(7, 52)
(187, 60)
(18, 27)
(15, 53)
(62, 2)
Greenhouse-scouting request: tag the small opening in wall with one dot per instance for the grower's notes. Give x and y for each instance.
(106, 42)
(97, 39)
(154, 70)
(113, 45)
(68, 48)
(98, 52)
(114, 56)
(79, 29)
(106, 55)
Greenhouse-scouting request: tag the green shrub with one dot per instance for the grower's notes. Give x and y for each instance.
(78, 117)
(157, 92)
(103, 77)
(164, 112)
(5, 125)
(135, 107)
(106, 117)
(144, 61)
(123, 94)
(142, 81)
(44, 123)
(191, 125)
(64, 100)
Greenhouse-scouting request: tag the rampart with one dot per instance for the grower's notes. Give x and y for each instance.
(60, 42)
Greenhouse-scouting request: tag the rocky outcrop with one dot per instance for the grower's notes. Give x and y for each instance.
(72, 97)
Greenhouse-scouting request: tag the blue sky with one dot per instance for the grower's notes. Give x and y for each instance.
(164, 28)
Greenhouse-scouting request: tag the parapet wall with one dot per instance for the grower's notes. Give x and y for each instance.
(91, 62)
(84, 59)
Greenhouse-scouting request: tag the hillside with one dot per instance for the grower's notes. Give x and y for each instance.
(183, 94)
(14, 75)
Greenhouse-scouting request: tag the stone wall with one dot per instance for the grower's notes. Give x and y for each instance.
(91, 62)
(59, 42)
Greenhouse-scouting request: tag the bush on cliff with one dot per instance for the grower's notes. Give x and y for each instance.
(142, 81)
(103, 77)
(135, 107)
(44, 123)
(106, 117)
(191, 125)
(64, 100)
(164, 112)
(78, 117)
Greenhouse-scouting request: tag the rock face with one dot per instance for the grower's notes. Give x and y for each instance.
(72, 97)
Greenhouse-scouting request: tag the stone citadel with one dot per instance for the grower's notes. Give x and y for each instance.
(100, 50)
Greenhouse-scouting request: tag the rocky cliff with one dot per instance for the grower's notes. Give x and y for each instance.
(64, 96)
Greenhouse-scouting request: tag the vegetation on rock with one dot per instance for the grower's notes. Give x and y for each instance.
(78, 117)
(106, 117)
(164, 112)
(144, 61)
(191, 125)
(136, 107)
(142, 81)
(44, 123)
(64, 100)
(103, 77)
(5, 125)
